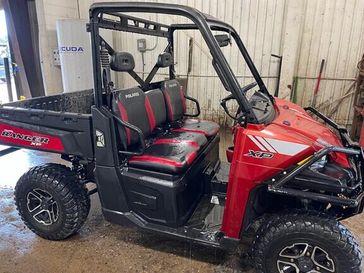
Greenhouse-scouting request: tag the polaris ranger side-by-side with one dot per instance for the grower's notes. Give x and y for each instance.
(292, 173)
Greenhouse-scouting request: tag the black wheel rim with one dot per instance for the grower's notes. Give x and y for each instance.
(42, 207)
(304, 258)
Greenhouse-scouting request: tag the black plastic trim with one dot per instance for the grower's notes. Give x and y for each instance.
(197, 107)
(140, 135)
(279, 185)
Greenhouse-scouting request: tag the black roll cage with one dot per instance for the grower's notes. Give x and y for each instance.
(204, 23)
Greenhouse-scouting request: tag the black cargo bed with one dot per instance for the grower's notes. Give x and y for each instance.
(65, 117)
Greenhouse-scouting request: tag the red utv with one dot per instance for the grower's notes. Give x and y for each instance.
(293, 173)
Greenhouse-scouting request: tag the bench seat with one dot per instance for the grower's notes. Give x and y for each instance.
(173, 141)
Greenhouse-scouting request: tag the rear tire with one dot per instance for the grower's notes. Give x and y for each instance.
(305, 242)
(51, 201)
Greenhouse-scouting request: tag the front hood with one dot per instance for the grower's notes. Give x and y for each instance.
(293, 121)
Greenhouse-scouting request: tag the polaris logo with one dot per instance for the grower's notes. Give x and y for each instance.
(132, 95)
(259, 155)
(74, 49)
(37, 140)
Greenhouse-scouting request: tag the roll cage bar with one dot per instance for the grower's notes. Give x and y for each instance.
(204, 23)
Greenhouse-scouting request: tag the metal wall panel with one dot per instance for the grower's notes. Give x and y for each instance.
(330, 30)
(334, 31)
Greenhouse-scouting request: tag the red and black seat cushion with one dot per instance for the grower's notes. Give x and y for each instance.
(175, 100)
(208, 128)
(158, 106)
(171, 158)
(157, 103)
(170, 152)
(133, 106)
(195, 139)
(176, 108)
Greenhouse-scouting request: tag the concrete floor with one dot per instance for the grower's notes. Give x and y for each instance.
(101, 246)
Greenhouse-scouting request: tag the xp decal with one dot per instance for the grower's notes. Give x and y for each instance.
(22, 137)
(258, 154)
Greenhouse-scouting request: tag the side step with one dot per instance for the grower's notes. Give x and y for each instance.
(203, 226)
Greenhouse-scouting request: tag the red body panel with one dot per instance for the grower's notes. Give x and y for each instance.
(262, 151)
(26, 138)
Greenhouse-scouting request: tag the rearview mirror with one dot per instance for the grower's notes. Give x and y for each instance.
(223, 40)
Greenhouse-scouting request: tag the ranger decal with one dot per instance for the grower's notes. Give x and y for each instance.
(37, 140)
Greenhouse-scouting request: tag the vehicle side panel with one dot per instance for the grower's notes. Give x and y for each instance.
(64, 133)
(263, 151)
(13, 135)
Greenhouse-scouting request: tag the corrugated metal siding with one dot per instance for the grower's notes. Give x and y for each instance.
(334, 31)
(331, 30)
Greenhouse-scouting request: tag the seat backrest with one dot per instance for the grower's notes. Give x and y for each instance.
(158, 106)
(133, 106)
(174, 99)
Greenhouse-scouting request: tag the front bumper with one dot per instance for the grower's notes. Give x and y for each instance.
(351, 198)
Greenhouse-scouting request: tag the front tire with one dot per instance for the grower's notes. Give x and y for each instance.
(305, 242)
(51, 201)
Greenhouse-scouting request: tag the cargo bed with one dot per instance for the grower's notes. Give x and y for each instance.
(59, 123)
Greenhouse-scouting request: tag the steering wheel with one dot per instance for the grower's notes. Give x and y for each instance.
(231, 96)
